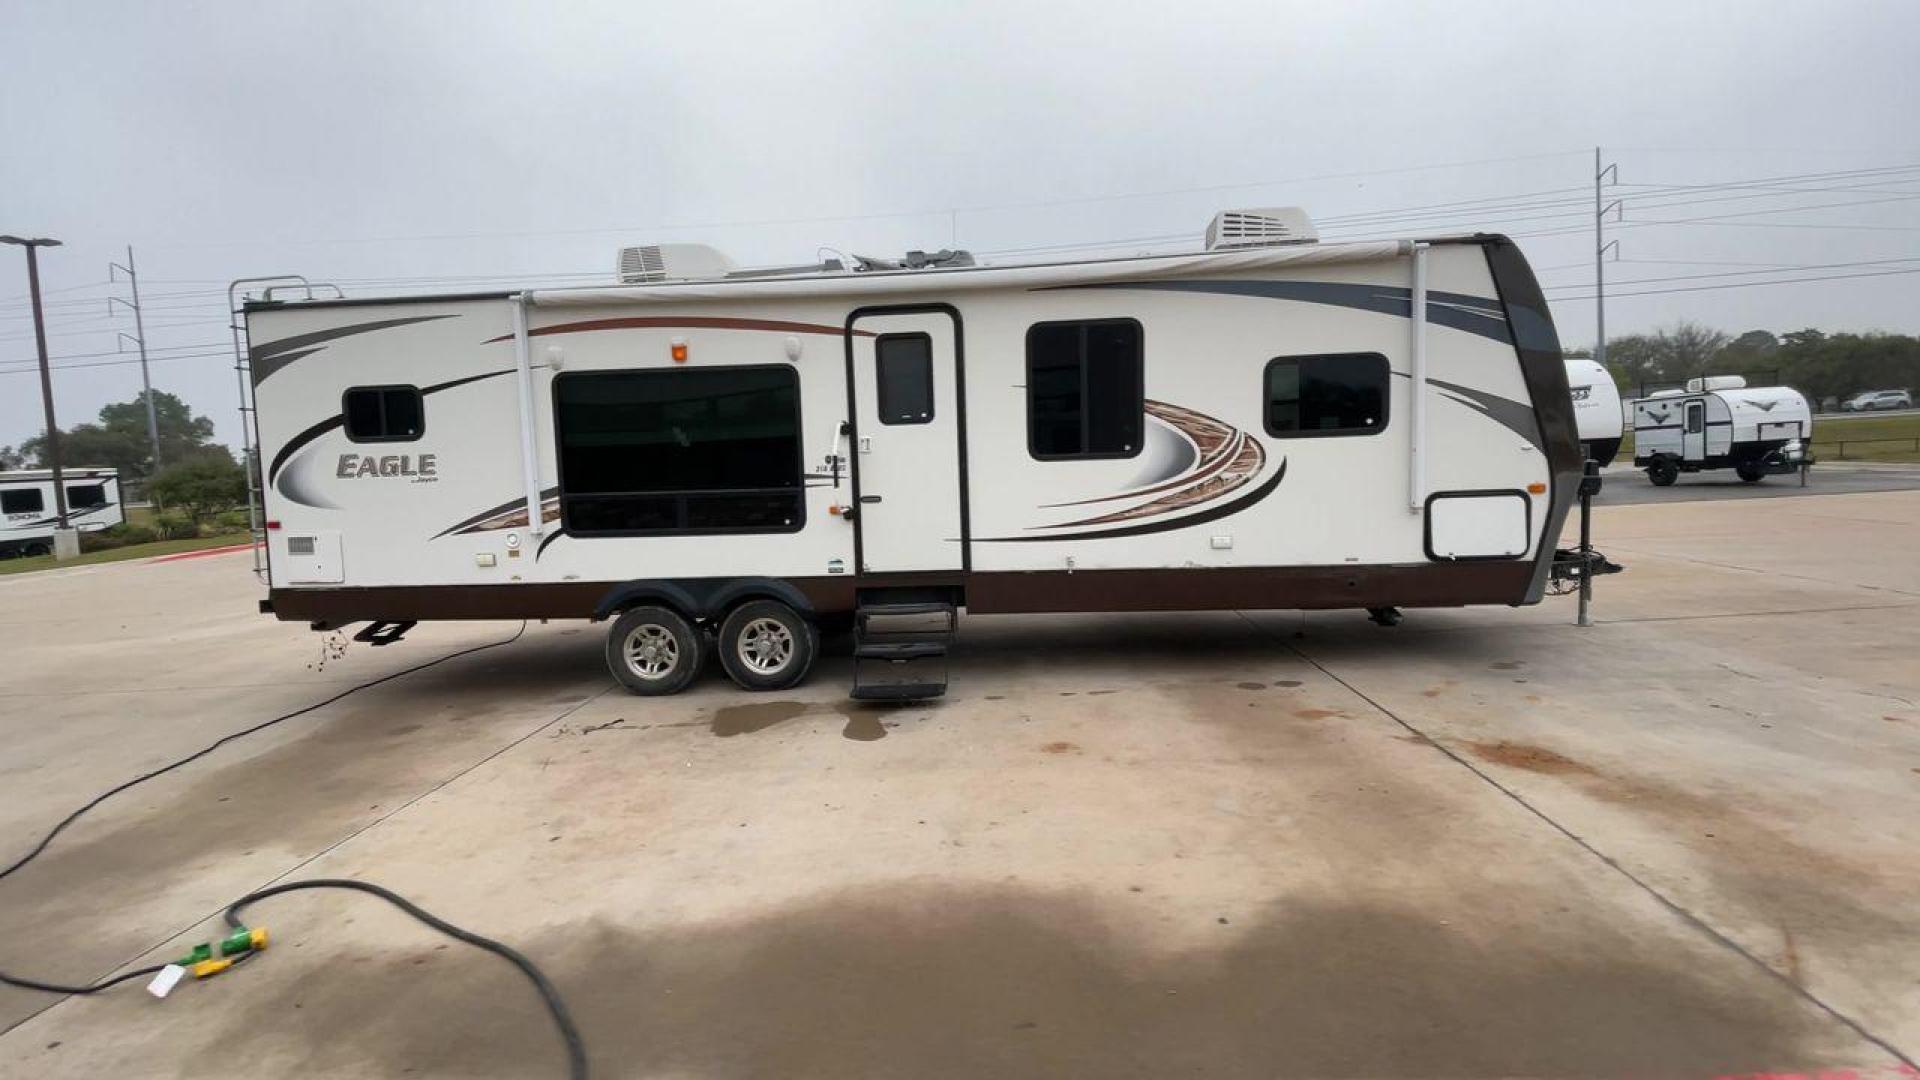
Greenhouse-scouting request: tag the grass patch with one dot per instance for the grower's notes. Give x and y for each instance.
(1831, 429)
(131, 551)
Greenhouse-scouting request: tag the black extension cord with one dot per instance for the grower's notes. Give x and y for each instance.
(569, 1034)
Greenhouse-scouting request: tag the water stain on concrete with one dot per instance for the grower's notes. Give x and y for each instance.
(1531, 758)
(1251, 686)
(949, 981)
(1315, 714)
(1841, 908)
(1288, 683)
(1060, 748)
(731, 720)
(863, 726)
(1507, 665)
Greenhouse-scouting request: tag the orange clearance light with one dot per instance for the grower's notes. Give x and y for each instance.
(679, 351)
(833, 510)
(1537, 489)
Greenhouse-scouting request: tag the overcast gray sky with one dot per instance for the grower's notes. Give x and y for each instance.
(400, 146)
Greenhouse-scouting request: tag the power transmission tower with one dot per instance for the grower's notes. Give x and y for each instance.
(1600, 246)
(139, 338)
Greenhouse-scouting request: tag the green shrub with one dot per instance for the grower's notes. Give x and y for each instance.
(117, 536)
(175, 525)
(202, 486)
(231, 521)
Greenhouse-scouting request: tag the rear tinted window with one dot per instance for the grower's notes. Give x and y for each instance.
(1341, 394)
(23, 501)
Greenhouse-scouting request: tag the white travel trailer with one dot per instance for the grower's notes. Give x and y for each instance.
(1269, 423)
(1596, 409)
(1720, 422)
(28, 510)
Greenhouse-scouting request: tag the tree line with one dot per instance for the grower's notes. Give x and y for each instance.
(1828, 368)
(198, 476)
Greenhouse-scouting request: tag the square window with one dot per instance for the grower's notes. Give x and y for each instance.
(383, 413)
(86, 496)
(1085, 396)
(23, 501)
(1314, 396)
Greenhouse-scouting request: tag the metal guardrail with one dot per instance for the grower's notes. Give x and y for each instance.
(1841, 453)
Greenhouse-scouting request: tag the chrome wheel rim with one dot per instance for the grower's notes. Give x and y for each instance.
(764, 646)
(651, 651)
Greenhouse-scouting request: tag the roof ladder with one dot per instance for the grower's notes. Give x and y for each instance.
(237, 296)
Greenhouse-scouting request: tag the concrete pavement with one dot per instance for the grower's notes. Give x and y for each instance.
(1483, 843)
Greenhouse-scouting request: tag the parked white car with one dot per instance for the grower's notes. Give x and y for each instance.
(1874, 400)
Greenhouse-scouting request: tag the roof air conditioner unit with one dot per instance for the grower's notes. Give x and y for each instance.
(1716, 382)
(671, 262)
(1260, 228)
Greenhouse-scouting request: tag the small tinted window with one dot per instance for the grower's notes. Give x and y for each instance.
(22, 501)
(903, 374)
(1341, 394)
(1084, 389)
(1696, 418)
(84, 496)
(383, 413)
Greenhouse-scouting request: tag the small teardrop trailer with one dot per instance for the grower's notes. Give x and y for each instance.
(1719, 422)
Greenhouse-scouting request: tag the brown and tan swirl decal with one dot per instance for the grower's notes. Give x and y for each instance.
(508, 515)
(1229, 460)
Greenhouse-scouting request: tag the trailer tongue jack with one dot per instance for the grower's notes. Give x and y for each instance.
(1574, 569)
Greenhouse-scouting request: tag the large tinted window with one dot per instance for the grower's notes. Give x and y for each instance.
(83, 496)
(22, 501)
(1343, 394)
(683, 450)
(383, 413)
(903, 372)
(1084, 397)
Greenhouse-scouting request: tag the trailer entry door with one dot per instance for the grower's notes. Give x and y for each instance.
(908, 440)
(1693, 439)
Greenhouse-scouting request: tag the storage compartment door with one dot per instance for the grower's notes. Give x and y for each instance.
(1479, 525)
(312, 558)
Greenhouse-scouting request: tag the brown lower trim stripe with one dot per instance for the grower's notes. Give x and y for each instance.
(1222, 589)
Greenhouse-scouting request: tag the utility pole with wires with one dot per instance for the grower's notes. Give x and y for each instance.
(139, 338)
(1600, 245)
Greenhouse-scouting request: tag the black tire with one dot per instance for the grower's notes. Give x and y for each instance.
(653, 651)
(1752, 474)
(1663, 472)
(766, 645)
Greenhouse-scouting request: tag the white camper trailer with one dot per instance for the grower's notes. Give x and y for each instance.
(1269, 423)
(29, 511)
(1596, 409)
(1719, 422)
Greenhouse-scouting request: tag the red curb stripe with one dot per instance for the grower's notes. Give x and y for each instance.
(230, 549)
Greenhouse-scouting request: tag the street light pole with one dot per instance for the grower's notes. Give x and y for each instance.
(140, 339)
(46, 387)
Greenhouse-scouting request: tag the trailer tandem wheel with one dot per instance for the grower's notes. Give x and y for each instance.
(653, 650)
(767, 645)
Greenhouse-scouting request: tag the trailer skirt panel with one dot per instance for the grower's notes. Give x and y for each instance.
(1225, 589)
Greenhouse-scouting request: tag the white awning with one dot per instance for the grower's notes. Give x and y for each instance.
(922, 282)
